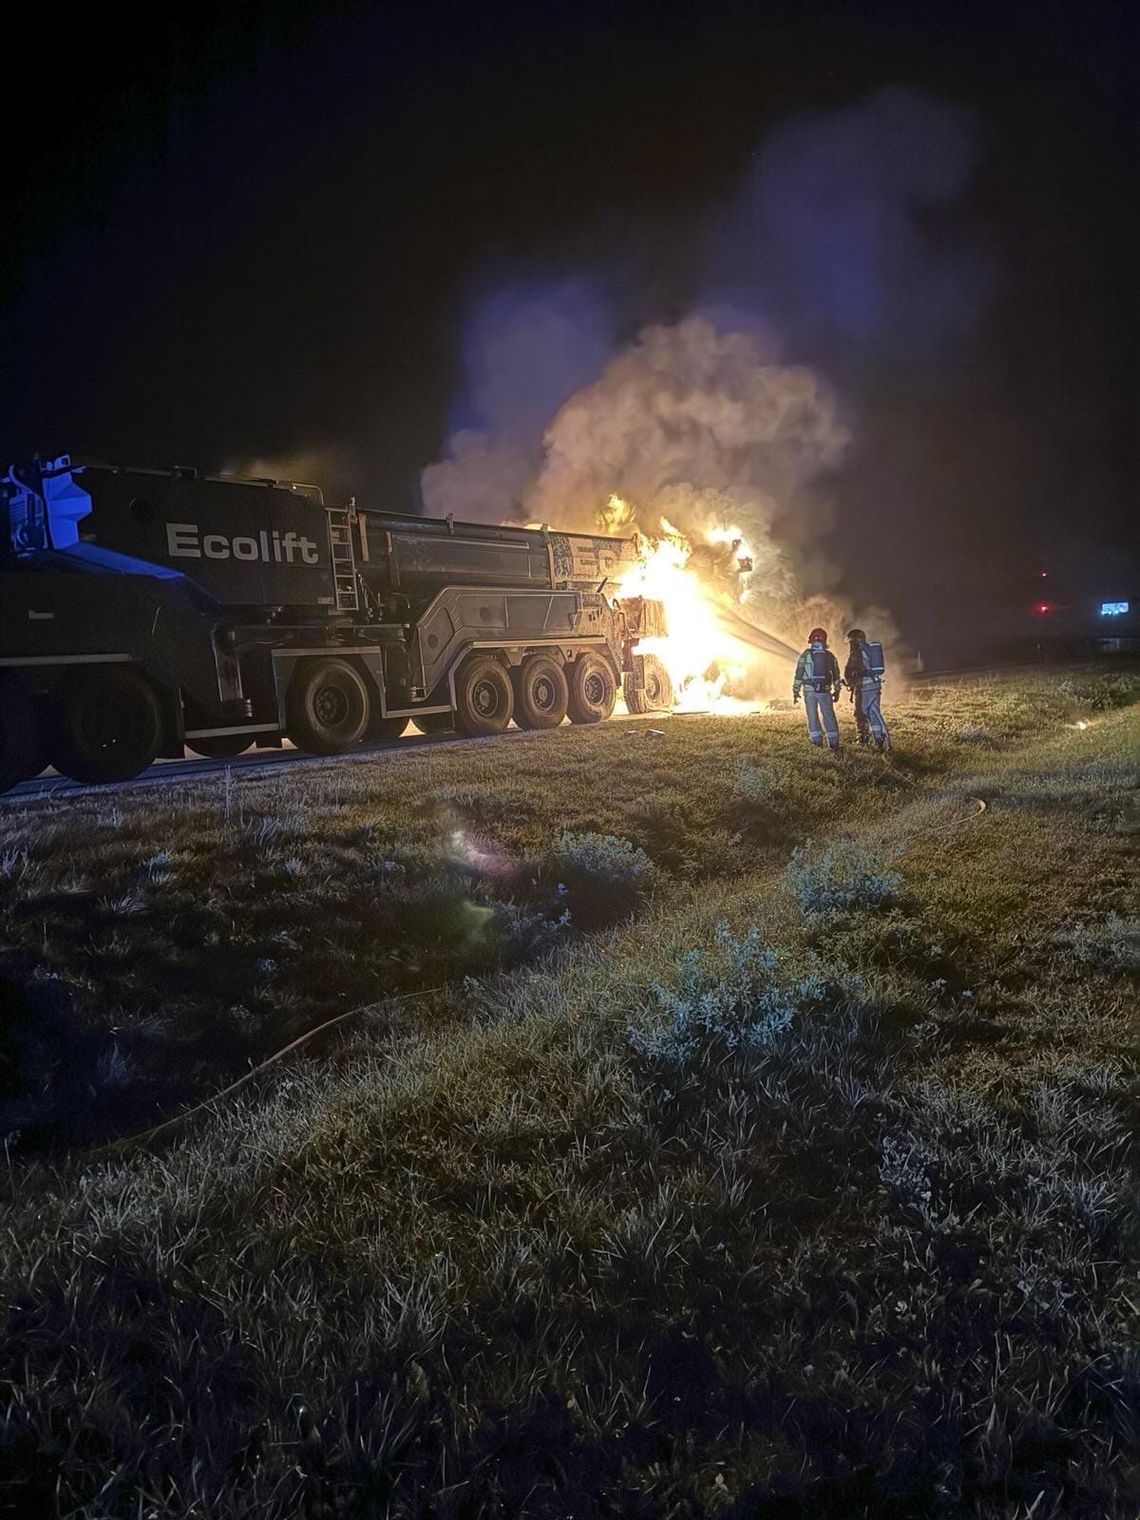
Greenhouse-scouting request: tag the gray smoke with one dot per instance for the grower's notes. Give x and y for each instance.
(841, 237)
(483, 478)
(844, 234)
(525, 351)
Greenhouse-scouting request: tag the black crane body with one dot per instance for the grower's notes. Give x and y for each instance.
(143, 611)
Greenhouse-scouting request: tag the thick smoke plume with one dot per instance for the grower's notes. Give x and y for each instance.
(687, 405)
(839, 238)
(703, 430)
(700, 427)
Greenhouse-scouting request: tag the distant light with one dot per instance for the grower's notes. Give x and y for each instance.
(1042, 607)
(1114, 609)
(1044, 573)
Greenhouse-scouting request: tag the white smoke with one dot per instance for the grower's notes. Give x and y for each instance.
(688, 407)
(702, 429)
(483, 478)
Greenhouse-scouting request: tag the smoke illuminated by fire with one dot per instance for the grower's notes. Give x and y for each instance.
(704, 449)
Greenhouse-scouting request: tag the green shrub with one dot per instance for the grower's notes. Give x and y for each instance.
(603, 857)
(754, 783)
(599, 879)
(733, 1000)
(840, 878)
(977, 733)
(1100, 693)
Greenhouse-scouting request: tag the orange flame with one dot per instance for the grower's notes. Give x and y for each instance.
(700, 656)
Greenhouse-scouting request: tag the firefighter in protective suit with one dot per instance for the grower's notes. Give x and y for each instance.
(817, 676)
(866, 685)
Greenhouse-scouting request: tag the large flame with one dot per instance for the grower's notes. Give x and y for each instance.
(701, 656)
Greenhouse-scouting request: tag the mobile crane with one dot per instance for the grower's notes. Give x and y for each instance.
(143, 611)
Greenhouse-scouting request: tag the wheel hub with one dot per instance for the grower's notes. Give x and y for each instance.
(331, 706)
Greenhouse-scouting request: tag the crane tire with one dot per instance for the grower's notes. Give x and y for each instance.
(21, 735)
(484, 697)
(542, 694)
(593, 689)
(327, 709)
(654, 692)
(106, 724)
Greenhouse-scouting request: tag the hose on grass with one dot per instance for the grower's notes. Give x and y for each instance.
(147, 1136)
(168, 1126)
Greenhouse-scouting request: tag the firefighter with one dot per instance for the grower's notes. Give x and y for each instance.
(865, 682)
(817, 676)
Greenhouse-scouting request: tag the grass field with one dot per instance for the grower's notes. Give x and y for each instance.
(730, 1129)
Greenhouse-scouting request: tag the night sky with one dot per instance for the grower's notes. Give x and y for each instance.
(259, 231)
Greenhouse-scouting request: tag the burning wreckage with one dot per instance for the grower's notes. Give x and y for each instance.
(143, 611)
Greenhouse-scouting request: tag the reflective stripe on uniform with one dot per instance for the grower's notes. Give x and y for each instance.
(820, 713)
(868, 713)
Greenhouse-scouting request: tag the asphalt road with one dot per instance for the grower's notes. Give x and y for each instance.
(264, 762)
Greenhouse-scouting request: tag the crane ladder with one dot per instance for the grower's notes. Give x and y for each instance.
(343, 558)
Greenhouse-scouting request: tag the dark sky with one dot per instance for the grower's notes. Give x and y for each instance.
(242, 231)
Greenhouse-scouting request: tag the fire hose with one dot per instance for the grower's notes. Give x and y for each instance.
(145, 1137)
(168, 1126)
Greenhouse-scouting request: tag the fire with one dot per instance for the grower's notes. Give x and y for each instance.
(735, 538)
(702, 658)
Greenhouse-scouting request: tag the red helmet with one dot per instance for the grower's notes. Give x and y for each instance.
(817, 636)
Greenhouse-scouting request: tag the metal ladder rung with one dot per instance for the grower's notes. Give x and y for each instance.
(343, 561)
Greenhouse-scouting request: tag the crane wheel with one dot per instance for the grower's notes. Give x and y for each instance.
(593, 689)
(21, 735)
(327, 708)
(654, 692)
(484, 697)
(220, 746)
(541, 692)
(106, 724)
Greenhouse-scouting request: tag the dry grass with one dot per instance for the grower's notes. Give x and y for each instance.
(695, 1191)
